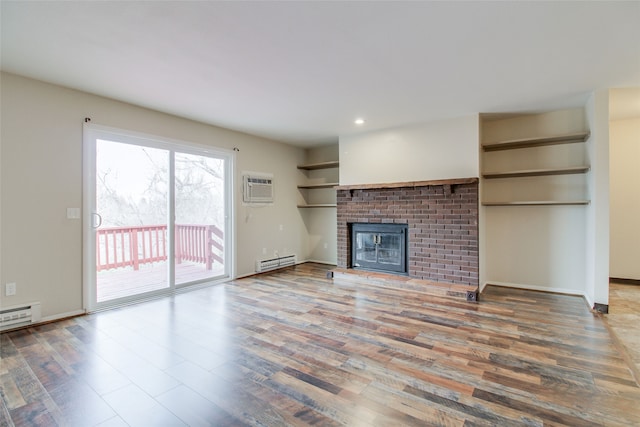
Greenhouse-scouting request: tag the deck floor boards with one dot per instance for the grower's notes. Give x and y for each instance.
(294, 348)
(124, 282)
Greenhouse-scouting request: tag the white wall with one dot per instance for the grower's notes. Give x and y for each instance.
(445, 149)
(624, 210)
(534, 247)
(41, 176)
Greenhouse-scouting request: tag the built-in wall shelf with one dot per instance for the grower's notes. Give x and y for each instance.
(536, 142)
(316, 189)
(319, 205)
(539, 203)
(322, 165)
(534, 193)
(537, 172)
(314, 186)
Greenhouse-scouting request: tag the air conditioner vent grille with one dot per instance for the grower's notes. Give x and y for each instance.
(257, 189)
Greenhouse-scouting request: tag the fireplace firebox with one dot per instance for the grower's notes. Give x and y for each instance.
(379, 247)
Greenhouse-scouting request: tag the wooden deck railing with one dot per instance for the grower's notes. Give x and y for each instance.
(132, 246)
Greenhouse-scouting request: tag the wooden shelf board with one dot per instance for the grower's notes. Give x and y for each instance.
(539, 203)
(319, 205)
(537, 172)
(457, 181)
(536, 142)
(323, 165)
(325, 185)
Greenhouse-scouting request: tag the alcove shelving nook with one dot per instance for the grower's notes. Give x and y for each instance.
(535, 199)
(318, 189)
(519, 163)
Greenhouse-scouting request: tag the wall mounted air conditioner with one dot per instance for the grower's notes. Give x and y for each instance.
(257, 188)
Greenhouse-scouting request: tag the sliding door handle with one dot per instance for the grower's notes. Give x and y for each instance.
(97, 220)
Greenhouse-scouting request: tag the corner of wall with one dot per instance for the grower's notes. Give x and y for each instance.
(597, 221)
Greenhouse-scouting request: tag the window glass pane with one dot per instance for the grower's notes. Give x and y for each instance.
(200, 217)
(131, 199)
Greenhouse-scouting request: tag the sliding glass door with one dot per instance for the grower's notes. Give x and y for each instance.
(156, 216)
(130, 220)
(200, 217)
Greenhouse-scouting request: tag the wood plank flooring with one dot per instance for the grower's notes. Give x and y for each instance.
(294, 348)
(624, 319)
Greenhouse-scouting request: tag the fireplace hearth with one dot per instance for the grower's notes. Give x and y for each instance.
(379, 247)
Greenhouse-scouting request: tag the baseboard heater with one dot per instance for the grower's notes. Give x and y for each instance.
(274, 263)
(20, 315)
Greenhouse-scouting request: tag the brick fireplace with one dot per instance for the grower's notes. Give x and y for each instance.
(442, 221)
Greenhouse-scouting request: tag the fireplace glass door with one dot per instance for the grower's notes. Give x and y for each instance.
(379, 247)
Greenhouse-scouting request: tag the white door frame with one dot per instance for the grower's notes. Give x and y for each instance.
(92, 132)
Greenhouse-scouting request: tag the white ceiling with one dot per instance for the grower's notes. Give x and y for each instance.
(301, 72)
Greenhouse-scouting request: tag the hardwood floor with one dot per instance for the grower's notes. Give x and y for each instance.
(295, 348)
(624, 319)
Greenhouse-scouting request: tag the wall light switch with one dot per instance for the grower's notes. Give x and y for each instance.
(73, 213)
(10, 289)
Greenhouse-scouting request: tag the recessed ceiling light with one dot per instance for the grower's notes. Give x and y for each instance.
(359, 121)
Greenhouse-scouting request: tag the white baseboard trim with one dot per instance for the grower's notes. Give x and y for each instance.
(61, 316)
(590, 302)
(297, 263)
(315, 261)
(533, 288)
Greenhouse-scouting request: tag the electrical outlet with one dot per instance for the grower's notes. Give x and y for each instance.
(10, 289)
(264, 251)
(73, 213)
